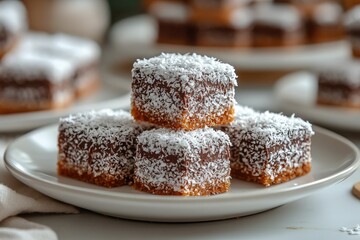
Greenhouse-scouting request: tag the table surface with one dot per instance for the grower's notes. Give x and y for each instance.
(319, 215)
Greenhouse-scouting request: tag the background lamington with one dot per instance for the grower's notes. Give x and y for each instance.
(277, 26)
(339, 84)
(83, 54)
(33, 82)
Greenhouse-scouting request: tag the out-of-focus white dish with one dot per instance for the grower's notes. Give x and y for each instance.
(32, 159)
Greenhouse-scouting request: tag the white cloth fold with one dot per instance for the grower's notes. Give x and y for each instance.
(15, 228)
(13, 203)
(16, 198)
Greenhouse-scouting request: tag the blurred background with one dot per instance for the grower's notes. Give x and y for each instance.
(48, 15)
(278, 47)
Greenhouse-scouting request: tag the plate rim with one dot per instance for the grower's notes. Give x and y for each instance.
(166, 199)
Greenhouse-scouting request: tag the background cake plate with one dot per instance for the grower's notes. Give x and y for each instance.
(32, 159)
(109, 96)
(297, 92)
(135, 37)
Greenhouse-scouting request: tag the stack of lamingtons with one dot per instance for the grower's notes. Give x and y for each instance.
(186, 135)
(183, 94)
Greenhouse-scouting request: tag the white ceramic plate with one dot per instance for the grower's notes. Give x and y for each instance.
(107, 97)
(136, 37)
(296, 93)
(32, 159)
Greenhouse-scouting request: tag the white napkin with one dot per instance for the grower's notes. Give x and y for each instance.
(15, 228)
(16, 198)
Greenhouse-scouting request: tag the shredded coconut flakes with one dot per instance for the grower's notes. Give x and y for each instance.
(100, 142)
(351, 231)
(271, 128)
(202, 152)
(253, 133)
(170, 67)
(171, 84)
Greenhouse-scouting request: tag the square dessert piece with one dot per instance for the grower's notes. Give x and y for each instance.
(236, 33)
(339, 84)
(83, 54)
(98, 147)
(173, 22)
(215, 11)
(277, 25)
(183, 91)
(32, 82)
(325, 23)
(269, 148)
(187, 163)
(12, 24)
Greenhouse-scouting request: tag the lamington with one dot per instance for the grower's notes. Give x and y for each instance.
(83, 54)
(325, 23)
(339, 84)
(173, 21)
(235, 33)
(98, 147)
(183, 91)
(186, 163)
(269, 148)
(31, 82)
(12, 24)
(277, 25)
(215, 11)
